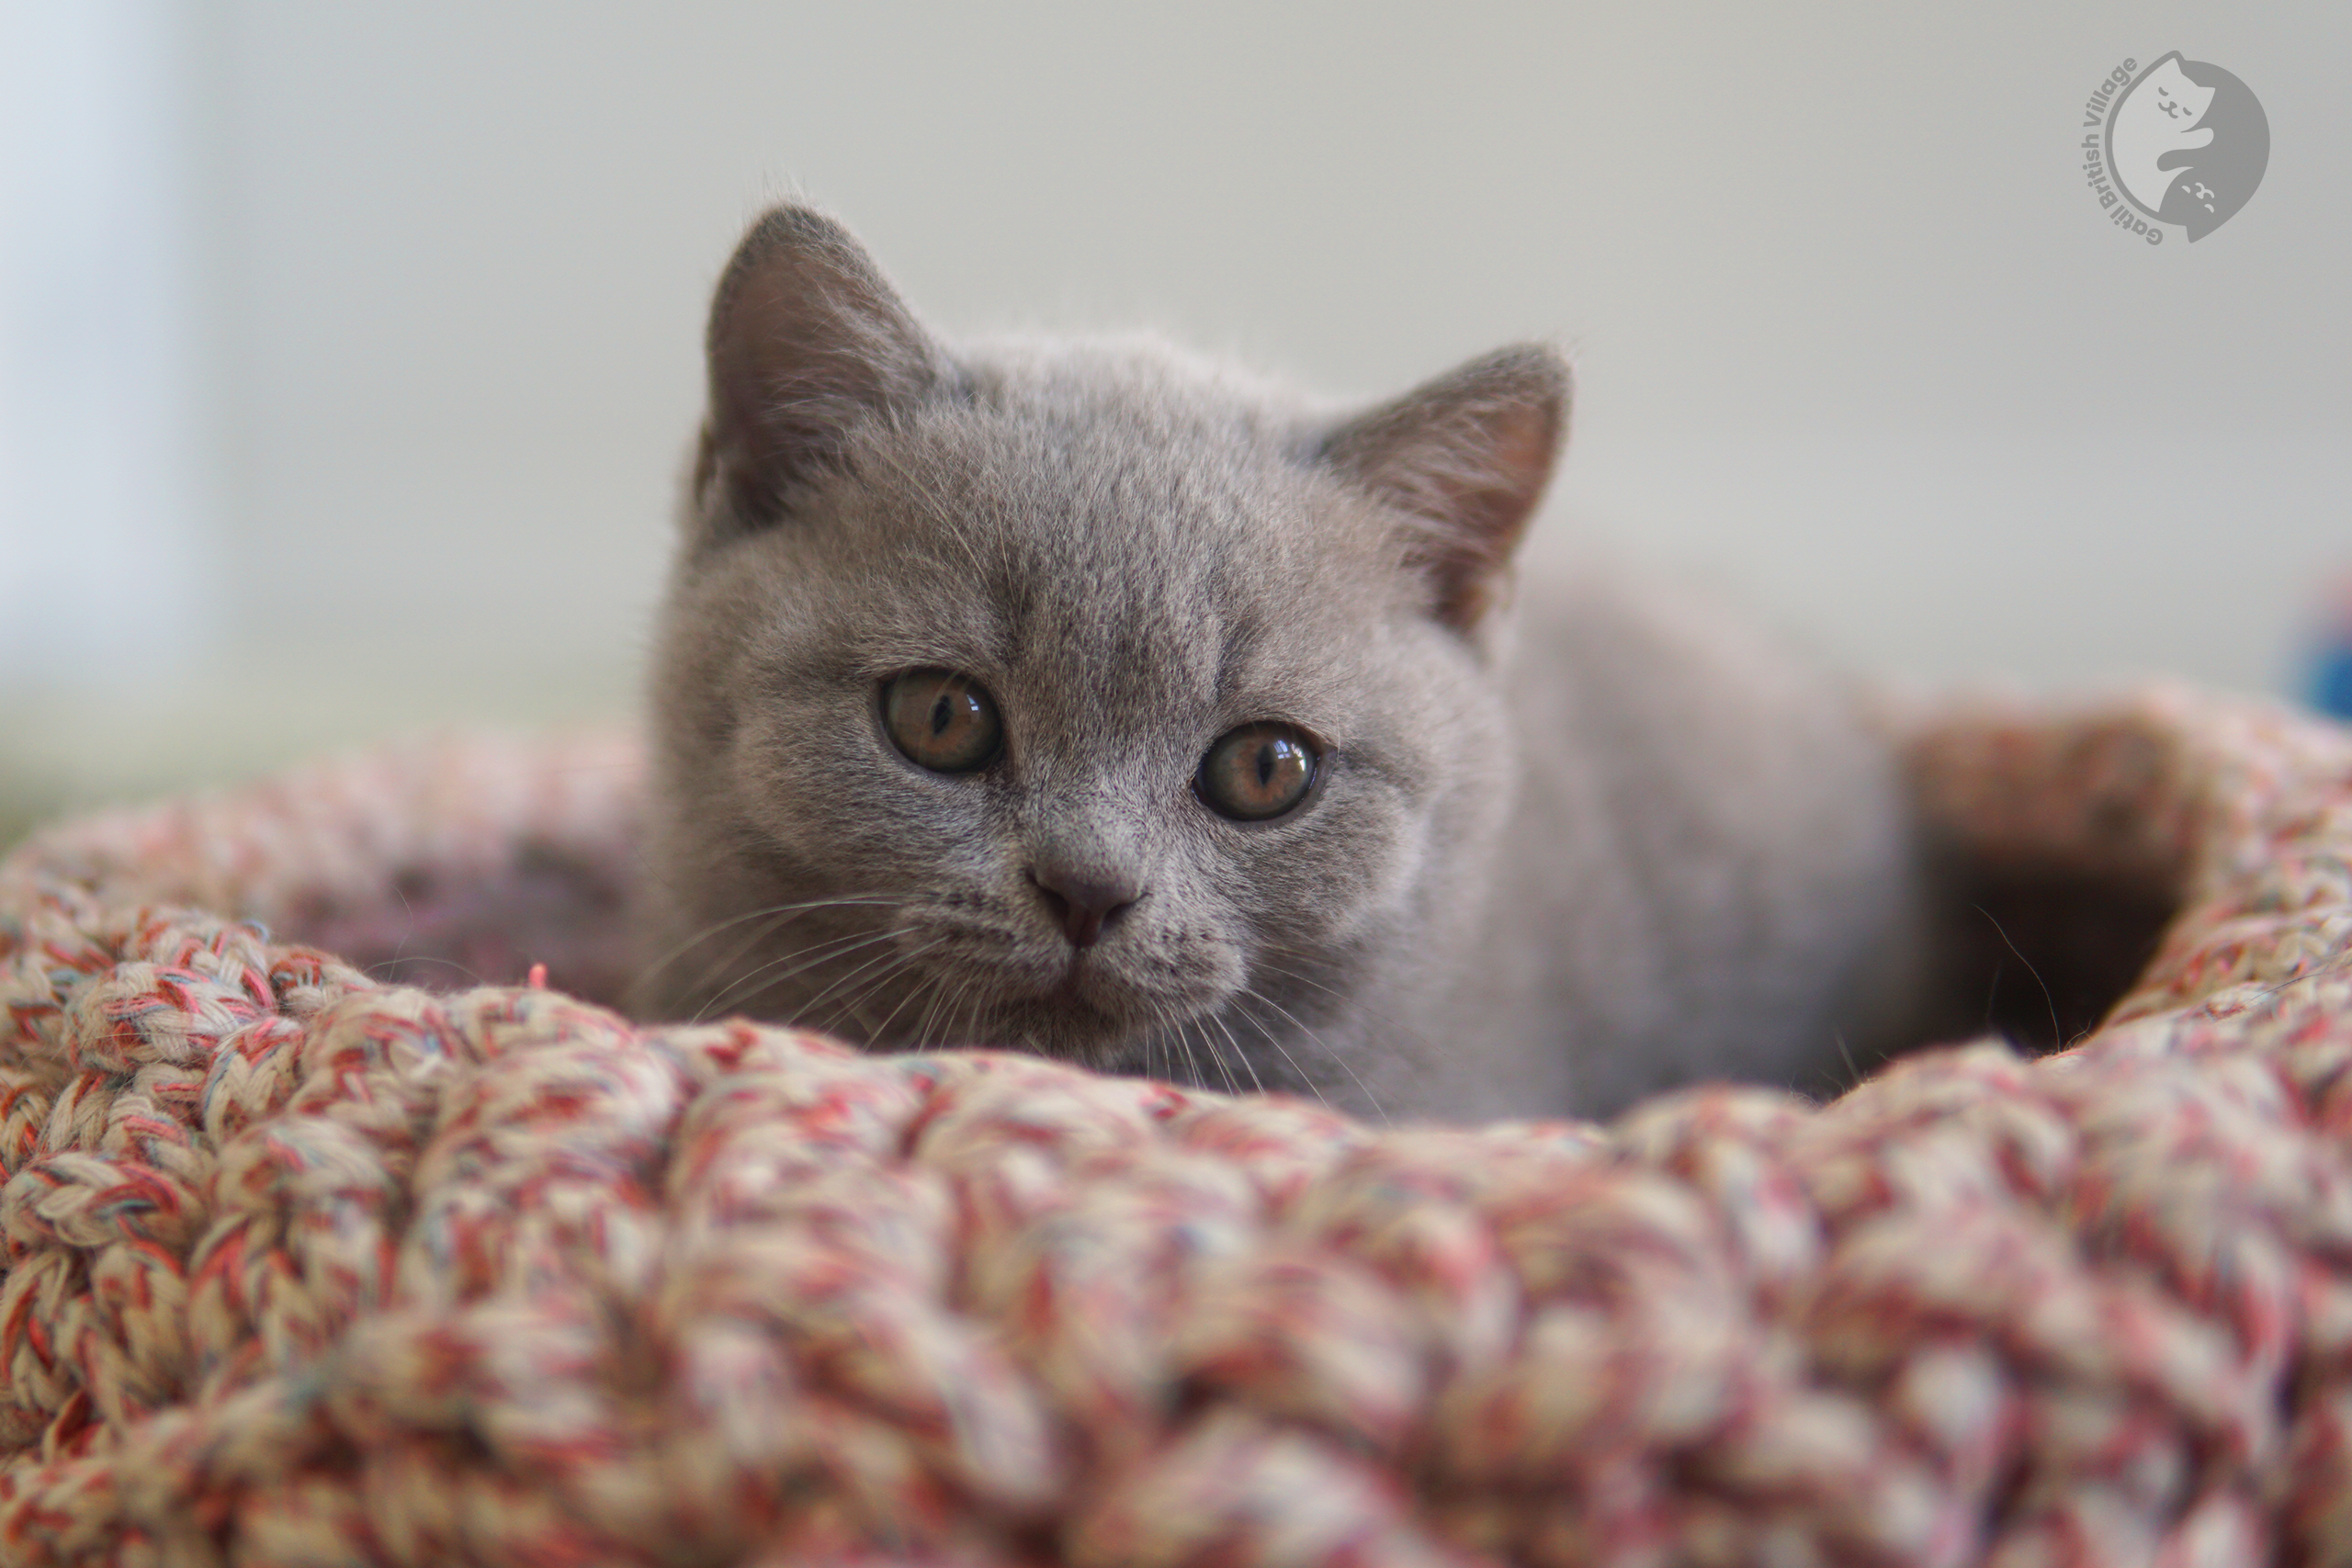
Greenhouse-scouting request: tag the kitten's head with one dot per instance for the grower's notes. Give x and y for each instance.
(1065, 696)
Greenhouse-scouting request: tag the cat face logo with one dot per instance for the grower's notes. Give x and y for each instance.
(2187, 142)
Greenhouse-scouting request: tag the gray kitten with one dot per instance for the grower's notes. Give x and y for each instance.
(1093, 700)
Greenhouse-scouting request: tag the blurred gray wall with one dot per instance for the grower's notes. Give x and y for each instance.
(1854, 337)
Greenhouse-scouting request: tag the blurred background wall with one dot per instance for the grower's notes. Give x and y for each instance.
(348, 353)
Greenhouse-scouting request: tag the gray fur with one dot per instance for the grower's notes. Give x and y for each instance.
(1562, 854)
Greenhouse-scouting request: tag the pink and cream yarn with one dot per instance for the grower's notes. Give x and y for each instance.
(306, 1267)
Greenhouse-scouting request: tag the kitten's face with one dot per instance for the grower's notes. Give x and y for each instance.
(1076, 701)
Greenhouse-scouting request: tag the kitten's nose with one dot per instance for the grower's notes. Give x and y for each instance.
(1083, 903)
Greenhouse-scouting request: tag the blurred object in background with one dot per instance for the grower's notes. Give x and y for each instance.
(103, 591)
(101, 494)
(2329, 688)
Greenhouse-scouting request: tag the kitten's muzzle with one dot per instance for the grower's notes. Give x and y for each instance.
(1083, 905)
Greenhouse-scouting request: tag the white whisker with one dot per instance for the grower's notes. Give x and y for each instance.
(1338, 1057)
(777, 914)
(897, 959)
(883, 1028)
(1294, 975)
(1275, 1041)
(1232, 1085)
(1191, 1061)
(801, 959)
(1243, 1057)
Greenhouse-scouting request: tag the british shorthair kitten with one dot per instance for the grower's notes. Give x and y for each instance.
(1094, 700)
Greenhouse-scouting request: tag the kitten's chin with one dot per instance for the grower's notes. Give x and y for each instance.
(1065, 1028)
(1101, 1023)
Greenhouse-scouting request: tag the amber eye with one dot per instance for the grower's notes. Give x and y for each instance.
(943, 721)
(1256, 771)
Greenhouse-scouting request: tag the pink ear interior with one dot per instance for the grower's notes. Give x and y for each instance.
(1465, 459)
(806, 339)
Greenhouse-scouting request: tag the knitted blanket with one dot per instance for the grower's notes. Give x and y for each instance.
(307, 1266)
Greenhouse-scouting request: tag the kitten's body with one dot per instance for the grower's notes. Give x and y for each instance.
(1555, 854)
(1709, 871)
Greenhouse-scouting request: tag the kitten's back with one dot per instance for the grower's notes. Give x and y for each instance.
(1709, 870)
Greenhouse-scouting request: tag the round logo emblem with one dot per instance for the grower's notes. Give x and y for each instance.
(2181, 142)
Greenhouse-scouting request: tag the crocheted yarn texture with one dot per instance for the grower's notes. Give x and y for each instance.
(304, 1267)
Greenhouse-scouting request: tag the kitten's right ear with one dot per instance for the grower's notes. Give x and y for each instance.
(1464, 460)
(807, 339)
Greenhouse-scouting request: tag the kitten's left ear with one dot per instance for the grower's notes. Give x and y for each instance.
(1465, 458)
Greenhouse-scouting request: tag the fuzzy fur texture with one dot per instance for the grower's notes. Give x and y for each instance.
(1567, 843)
